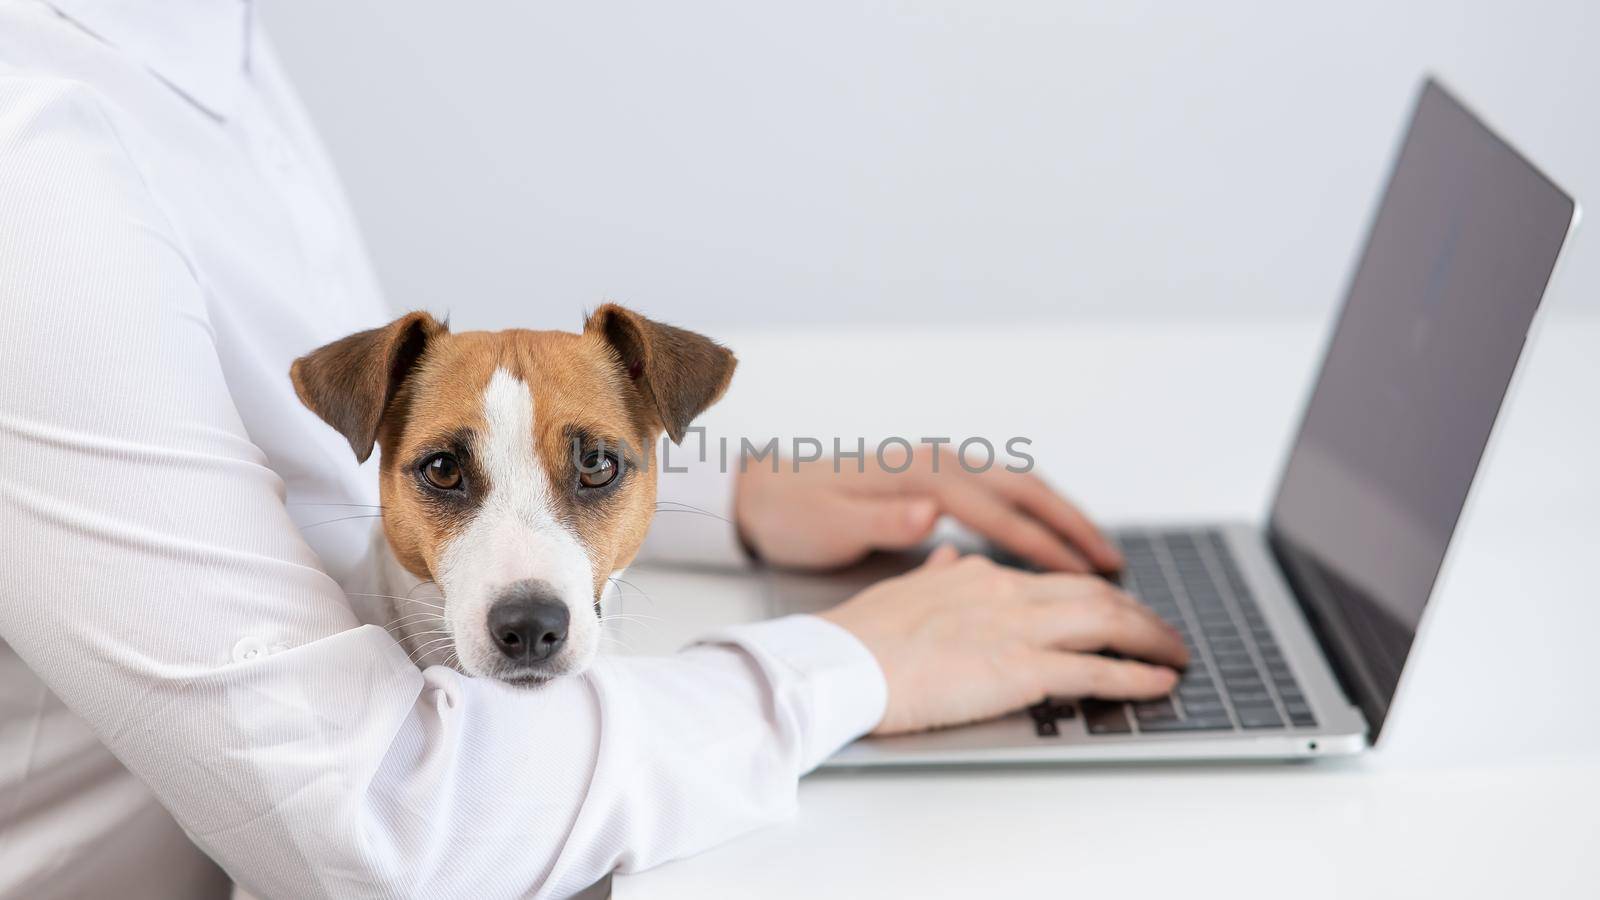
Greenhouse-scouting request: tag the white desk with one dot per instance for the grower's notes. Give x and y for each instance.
(1488, 782)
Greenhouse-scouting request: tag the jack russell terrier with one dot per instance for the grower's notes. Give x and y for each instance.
(517, 470)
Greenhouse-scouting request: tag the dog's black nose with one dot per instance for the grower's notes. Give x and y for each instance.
(528, 623)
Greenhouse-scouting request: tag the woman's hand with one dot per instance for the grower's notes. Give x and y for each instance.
(961, 639)
(818, 518)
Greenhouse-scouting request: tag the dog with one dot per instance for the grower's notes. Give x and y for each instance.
(516, 469)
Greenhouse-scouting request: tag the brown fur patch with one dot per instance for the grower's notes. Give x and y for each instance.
(350, 382)
(677, 373)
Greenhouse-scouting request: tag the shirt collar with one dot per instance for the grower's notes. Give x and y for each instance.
(198, 47)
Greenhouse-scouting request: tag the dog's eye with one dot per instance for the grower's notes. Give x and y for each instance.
(598, 469)
(442, 471)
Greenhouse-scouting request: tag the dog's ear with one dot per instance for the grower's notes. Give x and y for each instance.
(350, 382)
(678, 373)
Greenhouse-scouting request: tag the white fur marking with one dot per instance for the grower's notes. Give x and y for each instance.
(515, 535)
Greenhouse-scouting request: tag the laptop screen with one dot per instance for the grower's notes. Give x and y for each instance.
(1441, 300)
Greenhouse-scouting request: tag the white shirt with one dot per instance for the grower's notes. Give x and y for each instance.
(184, 673)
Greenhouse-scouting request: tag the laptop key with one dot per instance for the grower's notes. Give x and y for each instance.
(1154, 709)
(1258, 717)
(1050, 711)
(1160, 726)
(1103, 717)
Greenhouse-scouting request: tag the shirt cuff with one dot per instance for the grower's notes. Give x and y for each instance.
(831, 680)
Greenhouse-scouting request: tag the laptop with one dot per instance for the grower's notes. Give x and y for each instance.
(1299, 628)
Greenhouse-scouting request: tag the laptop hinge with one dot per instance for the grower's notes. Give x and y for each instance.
(1334, 636)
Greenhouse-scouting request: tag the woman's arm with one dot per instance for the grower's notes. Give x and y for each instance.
(155, 582)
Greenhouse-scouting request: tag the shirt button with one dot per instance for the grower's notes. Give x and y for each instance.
(249, 648)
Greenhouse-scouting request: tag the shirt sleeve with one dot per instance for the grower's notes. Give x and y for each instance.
(155, 582)
(694, 520)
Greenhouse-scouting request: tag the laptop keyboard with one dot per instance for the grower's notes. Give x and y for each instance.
(1237, 676)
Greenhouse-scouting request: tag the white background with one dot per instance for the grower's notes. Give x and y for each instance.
(514, 163)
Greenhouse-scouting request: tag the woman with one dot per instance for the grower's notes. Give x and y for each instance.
(184, 683)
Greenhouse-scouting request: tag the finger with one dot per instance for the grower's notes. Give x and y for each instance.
(1104, 620)
(1069, 584)
(1088, 675)
(942, 556)
(1036, 496)
(972, 504)
(832, 528)
(885, 523)
(837, 528)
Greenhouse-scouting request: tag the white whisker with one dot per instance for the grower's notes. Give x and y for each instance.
(416, 617)
(690, 508)
(407, 599)
(618, 580)
(436, 633)
(350, 505)
(628, 617)
(430, 647)
(341, 519)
